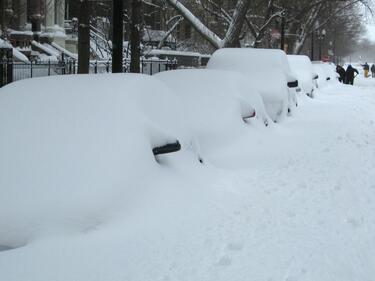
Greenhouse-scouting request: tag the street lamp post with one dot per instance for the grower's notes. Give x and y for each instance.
(118, 35)
(321, 35)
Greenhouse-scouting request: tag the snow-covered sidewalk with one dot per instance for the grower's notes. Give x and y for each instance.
(292, 202)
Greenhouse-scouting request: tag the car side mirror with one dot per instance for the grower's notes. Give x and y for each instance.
(248, 116)
(293, 84)
(167, 148)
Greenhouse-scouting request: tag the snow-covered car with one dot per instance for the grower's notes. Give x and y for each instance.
(326, 73)
(220, 104)
(302, 68)
(267, 71)
(80, 142)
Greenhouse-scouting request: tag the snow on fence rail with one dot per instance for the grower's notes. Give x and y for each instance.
(184, 59)
(20, 70)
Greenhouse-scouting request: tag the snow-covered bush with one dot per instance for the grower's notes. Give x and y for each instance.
(266, 70)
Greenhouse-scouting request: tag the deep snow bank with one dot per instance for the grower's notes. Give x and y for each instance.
(72, 146)
(300, 208)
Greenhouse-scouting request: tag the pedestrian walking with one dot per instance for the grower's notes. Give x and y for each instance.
(366, 69)
(341, 71)
(373, 70)
(350, 74)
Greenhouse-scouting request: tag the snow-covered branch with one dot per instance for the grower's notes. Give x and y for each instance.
(169, 32)
(210, 36)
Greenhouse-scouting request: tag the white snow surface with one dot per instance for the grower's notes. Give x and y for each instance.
(82, 197)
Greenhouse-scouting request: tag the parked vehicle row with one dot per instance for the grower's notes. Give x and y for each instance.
(129, 120)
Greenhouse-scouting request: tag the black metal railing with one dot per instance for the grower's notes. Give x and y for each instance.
(6, 66)
(13, 71)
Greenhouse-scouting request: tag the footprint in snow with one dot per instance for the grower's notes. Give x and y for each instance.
(235, 246)
(224, 261)
(354, 222)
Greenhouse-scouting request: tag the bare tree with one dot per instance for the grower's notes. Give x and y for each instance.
(135, 36)
(232, 35)
(307, 16)
(258, 31)
(177, 20)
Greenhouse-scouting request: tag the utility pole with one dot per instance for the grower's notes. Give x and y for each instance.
(118, 35)
(84, 37)
(135, 37)
(321, 35)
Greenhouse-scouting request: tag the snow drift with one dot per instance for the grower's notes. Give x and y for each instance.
(77, 143)
(83, 198)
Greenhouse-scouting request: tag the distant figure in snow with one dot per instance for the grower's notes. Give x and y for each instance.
(341, 71)
(366, 69)
(349, 75)
(373, 70)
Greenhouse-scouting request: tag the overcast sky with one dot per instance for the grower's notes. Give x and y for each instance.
(370, 32)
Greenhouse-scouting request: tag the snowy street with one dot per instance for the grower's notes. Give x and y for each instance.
(182, 140)
(294, 201)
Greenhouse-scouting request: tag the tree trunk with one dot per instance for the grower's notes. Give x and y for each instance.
(232, 37)
(117, 25)
(135, 40)
(206, 33)
(84, 37)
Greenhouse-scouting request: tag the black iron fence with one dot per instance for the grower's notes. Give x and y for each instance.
(13, 71)
(6, 69)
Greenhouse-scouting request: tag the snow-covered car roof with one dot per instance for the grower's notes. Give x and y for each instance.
(266, 70)
(216, 102)
(326, 72)
(76, 141)
(302, 68)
